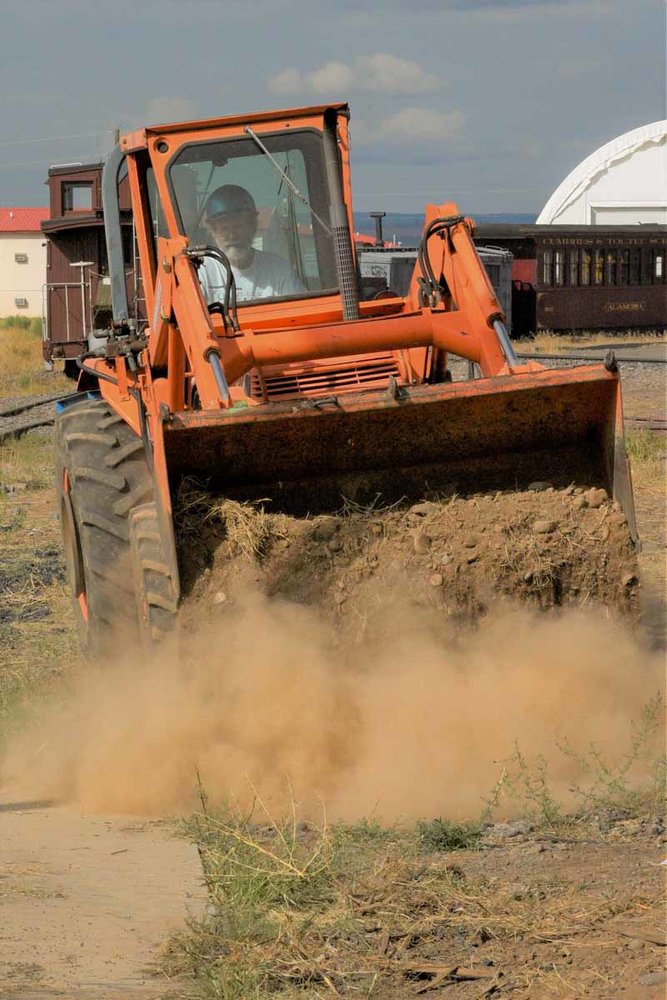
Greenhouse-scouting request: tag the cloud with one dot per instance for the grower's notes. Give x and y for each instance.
(418, 125)
(331, 76)
(380, 73)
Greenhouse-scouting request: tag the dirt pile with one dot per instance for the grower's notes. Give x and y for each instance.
(542, 546)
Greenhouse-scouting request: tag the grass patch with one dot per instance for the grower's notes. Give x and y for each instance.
(553, 343)
(648, 456)
(29, 461)
(305, 910)
(37, 632)
(632, 788)
(32, 324)
(299, 909)
(22, 363)
(644, 447)
(444, 835)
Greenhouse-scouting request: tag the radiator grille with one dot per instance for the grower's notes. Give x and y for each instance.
(325, 379)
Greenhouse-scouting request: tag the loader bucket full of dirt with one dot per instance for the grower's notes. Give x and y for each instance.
(463, 438)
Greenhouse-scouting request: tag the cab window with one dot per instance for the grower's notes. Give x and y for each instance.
(281, 195)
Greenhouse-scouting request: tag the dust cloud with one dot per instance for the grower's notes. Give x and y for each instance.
(414, 722)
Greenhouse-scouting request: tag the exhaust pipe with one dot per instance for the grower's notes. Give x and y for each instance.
(345, 267)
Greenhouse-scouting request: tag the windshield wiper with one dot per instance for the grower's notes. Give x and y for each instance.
(285, 176)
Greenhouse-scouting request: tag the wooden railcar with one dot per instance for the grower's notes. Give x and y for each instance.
(77, 294)
(571, 279)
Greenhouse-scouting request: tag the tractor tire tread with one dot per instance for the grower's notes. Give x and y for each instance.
(140, 494)
(152, 571)
(115, 480)
(110, 421)
(87, 437)
(101, 465)
(124, 452)
(72, 412)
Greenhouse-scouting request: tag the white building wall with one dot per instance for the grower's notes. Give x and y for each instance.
(22, 281)
(622, 183)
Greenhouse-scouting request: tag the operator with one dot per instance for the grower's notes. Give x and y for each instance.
(231, 218)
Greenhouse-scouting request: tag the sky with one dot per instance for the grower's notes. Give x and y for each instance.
(489, 103)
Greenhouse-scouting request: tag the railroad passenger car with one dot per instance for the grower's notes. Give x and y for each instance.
(571, 279)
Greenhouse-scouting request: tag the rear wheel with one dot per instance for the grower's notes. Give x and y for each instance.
(124, 583)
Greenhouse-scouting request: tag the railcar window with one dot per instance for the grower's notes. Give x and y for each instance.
(558, 268)
(610, 268)
(658, 269)
(77, 196)
(635, 266)
(646, 266)
(573, 278)
(598, 266)
(546, 267)
(585, 276)
(623, 267)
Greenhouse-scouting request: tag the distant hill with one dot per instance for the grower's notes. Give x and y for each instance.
(406, 227)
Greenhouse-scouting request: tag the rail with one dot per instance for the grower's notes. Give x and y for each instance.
(620, 359)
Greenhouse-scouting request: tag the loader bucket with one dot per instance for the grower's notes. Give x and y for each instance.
(501, 433)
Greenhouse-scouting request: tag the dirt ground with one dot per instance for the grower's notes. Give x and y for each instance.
(601, 932)
(86, 902)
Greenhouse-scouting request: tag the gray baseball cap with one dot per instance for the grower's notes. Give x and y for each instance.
(229, 200)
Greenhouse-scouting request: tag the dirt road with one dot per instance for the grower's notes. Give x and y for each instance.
(86, 902)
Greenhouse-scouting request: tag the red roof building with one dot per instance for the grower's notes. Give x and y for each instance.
(22, 261)
(22, 220)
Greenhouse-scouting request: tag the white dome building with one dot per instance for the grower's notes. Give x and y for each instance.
(621, 184)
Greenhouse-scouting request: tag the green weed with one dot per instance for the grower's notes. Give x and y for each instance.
(444, 835)
(634, 787)
(31, 324)
(605, 787)
(643, 446)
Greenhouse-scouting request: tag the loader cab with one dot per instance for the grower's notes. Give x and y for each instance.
(294, 166)
(295, 171)
(287, 216)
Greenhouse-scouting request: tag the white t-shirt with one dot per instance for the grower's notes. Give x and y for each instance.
(267, 277)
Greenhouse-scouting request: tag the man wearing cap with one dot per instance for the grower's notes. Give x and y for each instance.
(231, 218)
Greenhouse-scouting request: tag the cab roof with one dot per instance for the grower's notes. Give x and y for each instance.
(139, 138)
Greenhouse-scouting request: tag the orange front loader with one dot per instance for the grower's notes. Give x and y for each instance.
(299, 397)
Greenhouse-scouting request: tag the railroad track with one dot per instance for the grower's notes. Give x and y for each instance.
(656, 424)
(20, 416)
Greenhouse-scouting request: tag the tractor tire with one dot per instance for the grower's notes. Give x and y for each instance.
(124, 584)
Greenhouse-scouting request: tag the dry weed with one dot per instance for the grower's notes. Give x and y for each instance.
(351, 910)
(553, 343)
(22, 365)
(248, 527)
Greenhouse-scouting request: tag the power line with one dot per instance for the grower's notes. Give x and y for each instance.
(87, 158)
